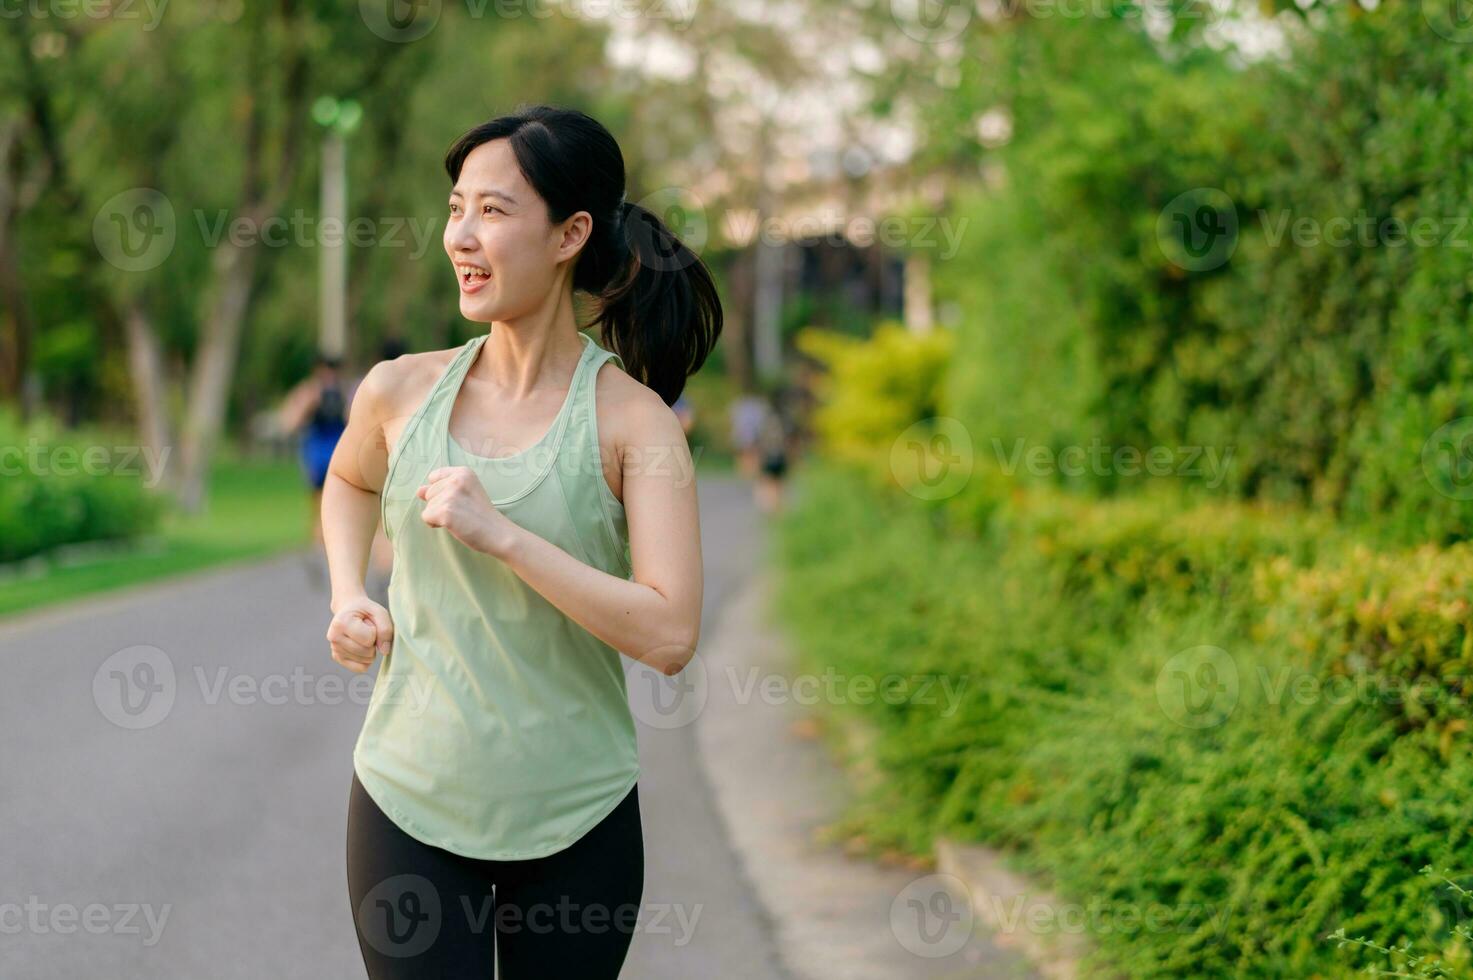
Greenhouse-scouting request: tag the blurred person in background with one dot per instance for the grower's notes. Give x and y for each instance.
(747, 412)
(773, 447)
(509, 773)
(317, 409)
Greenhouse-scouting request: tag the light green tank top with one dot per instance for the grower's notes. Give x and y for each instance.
(498, 727)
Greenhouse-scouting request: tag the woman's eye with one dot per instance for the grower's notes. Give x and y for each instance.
(490, 207)
(452, 208)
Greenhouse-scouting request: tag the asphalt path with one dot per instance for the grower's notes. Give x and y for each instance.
(174, 783)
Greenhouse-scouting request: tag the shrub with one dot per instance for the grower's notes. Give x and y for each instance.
(41, 509)
(875, 388)
(1327, 346)
(1287, 815)
(1401, 619)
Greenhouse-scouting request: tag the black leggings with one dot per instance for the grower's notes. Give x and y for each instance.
(425, 912)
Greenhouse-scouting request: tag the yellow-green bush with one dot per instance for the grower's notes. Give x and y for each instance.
(874, 388)
(1155, 545)
(1401, 618)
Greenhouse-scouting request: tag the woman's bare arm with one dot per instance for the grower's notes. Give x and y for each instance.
(355, 479)
(360, 628)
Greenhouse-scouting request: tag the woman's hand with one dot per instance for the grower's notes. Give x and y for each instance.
(360, 628)
(455, 500)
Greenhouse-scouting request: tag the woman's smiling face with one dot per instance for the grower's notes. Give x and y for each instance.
(504, 252)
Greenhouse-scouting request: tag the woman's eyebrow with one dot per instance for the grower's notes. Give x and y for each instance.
(488, 192)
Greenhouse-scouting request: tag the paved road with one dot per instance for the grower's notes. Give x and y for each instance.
(199, 833)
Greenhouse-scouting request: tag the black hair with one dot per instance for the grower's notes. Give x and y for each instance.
(657, 304)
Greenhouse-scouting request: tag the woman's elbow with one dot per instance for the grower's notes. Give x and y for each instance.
(673, 654)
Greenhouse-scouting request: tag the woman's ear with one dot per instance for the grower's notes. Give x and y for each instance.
(576, 230)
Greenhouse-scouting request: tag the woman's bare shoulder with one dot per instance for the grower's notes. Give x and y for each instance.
(632, 412)
(396, 386)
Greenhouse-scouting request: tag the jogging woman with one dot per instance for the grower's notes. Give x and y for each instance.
(542, 510)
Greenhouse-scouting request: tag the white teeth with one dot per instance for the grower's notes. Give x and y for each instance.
(473, 270)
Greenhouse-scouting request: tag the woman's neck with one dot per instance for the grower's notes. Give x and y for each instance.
(537, 351)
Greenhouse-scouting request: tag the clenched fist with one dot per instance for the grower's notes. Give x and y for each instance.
(455, 500)
(359, 629)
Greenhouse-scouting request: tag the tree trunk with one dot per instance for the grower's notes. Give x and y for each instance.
(15, 351)
(736, 334)
(233, 270)
(146, 370)
(214, 364)
(16, 194)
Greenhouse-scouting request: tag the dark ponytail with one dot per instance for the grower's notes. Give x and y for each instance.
(656, 302)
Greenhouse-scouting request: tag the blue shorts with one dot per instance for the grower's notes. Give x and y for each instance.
(316, 454)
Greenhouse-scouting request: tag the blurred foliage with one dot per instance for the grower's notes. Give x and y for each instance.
(1304, 806)
(874, 388)
(62, 488)
(1149, 551)
(1401, 619)
(1325, 363)
(175, 106)
(1324, 566)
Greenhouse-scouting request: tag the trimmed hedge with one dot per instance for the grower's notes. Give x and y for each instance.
(1070, 656)
(1403, 620)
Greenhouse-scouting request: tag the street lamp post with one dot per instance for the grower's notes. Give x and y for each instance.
(338, 120)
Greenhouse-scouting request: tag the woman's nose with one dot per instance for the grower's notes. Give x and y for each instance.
(459, 235)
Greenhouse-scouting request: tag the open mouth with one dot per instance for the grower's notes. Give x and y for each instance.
(472, 276)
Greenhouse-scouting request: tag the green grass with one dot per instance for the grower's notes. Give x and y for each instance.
(256, 508)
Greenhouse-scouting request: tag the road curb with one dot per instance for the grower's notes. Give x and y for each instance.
(1007, 902)
(1003, 900)
(776, 787)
